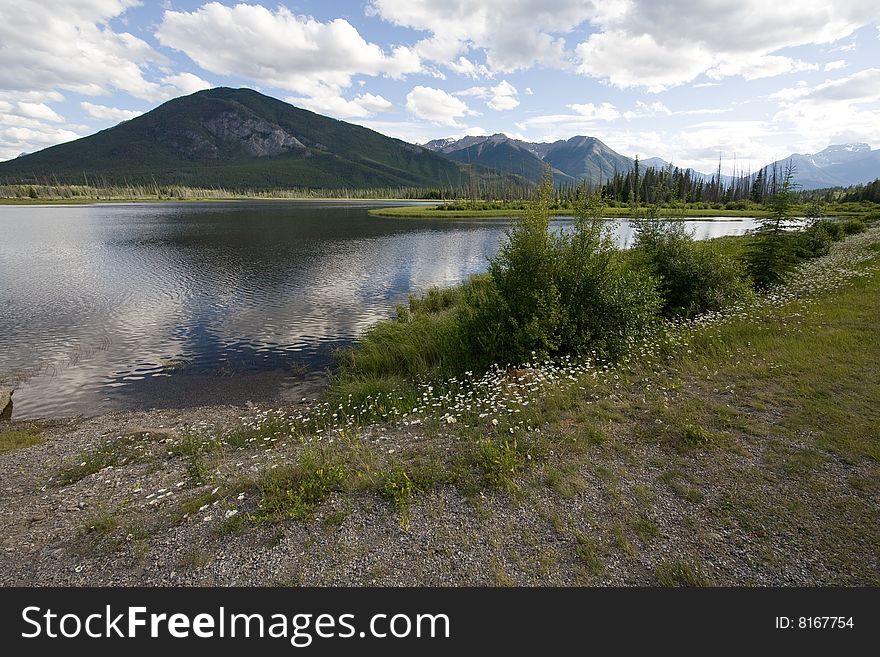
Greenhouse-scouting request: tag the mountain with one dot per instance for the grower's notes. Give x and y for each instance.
(654, 162)
(576, 159)
(586, 158)
(237, 138)
(498, 153)
(839, 165)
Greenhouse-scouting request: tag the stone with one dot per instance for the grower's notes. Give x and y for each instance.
(6, 403)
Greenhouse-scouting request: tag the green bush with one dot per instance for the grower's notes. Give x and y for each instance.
(833, 228)
(694, 278)
(812, 242)
(854, 227)
(552, 294)
(529, 309)
(433, 301)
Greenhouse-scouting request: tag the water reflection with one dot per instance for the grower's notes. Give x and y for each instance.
(130, 306)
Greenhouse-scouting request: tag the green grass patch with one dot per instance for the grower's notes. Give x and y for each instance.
(680, 573)
(587, 550)
(109, 454)
(21, 438)
(397, 487)
(295, 491)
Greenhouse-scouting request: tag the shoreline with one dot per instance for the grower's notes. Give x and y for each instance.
(231, 199)
(700, 469)
(437, 212)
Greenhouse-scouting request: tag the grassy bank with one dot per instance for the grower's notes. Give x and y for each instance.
(737, 448)
(438, 212)
(459, 211)
(60, 194)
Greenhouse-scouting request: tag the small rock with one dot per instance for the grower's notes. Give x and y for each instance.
(6, 403)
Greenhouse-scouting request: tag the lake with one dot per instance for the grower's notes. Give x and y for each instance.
(130, 306)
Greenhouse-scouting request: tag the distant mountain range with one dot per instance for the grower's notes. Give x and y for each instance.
(840, 165)
(587, 158)
(239, 138)
(579, 158)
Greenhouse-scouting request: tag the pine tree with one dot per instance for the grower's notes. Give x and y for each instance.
(771, 257)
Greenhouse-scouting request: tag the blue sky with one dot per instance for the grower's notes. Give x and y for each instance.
(749, 81)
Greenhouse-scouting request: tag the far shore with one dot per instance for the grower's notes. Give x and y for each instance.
(224, 199)
(437, 212)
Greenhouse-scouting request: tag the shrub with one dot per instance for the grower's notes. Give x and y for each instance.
(433, 301)
(833, 228)
(854, 227)
(772, 254)
(294, 491)
(524, 273)
(694, 278)
(812, 242)
(568, 293)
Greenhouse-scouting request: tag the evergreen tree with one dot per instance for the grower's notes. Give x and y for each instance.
(772, 256)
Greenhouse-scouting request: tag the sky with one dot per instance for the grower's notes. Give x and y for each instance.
(747, 81)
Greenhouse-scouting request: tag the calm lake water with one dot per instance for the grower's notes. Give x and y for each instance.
(109, 307)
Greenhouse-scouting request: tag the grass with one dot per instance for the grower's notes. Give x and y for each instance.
(20, 438)
(88, 463)
(589, 555)
(679, 573)
(295, 491)
(438, 212)
(99, 524)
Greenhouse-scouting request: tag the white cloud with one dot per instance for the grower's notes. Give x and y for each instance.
(27, 124)
(700, 145)
(280, 49)
(645, 110)
(38, 111)
(640, 60)
(15, 140)
(585, 120)
(762, 66)
(437, 106)
(647, 44)
(363, 105)
(835, 111)
(108, 113)
(600, 112)
(502, 96)
(836, 64)
(464, 66)
(513, 34)
(69, 45)
(419, 132)
(185, 84)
